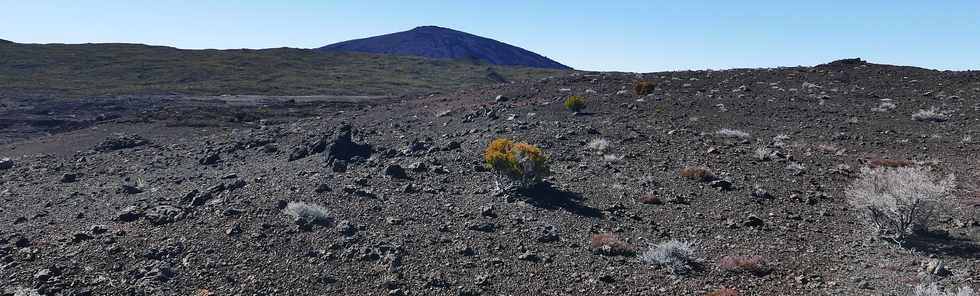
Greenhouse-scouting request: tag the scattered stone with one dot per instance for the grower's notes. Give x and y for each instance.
(343, 147)
(721, 184)
(121, 142)
(99, 229)
(546, 234)
(418, 167)
(80, 236)
(233, 230)
(128, 214)
(393, 221)
(936, 267)
(6, 163)
(346, 228)
(761, 193)
(164, 214)
(211, 157)
(129, 189)
(69, 178)
(323, 187)
(395, 171)
(46, 274)
(339, 166)
(236, 185)
(501, 98)
(487, 211)
(529, 256)
(754, 221)
(481, 226)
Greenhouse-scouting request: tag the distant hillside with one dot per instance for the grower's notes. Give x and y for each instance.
(443, 43)
(114, 69)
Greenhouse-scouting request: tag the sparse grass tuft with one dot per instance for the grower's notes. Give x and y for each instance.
(933, 115)
(611, 244)
(675, 255)
(764, 154)
(897, 201)
(933, 290)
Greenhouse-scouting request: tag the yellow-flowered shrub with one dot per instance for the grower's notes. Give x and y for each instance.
(521, 163)
(575, 103)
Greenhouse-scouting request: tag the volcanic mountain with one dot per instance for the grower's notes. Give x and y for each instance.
(443, 43)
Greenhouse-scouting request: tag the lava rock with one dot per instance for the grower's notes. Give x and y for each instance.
(69, 178)
(128, 214)
(209, 158)
(164, 214)
(395, 171)
(6, 163)
(121, 142)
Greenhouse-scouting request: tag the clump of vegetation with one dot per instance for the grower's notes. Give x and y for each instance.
(933, 290)
(519, 165)
(610, 244)
(764, 153)
(723, 292)
(732, 133)
(675, 255)
(306, 215)
(751, 264)
(697, 173)
(575, 104)
(933, 115)
(897, 201)
(598, 144)
(642, 87)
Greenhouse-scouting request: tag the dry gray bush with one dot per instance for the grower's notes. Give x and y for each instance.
(673, 254)
(897, 201)
(764, 153)
(933, 114)
(599, 145)
(933, 290)
(305, 214)
(732, 133)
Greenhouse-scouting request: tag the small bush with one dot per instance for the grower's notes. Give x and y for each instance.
(642, 87)
(305, 214)
(701, 174)
(732, 133)
(933, 115)
(522, 164)
(897, 201)
(610, 244)
(612, 158)
(575, 103)
(598, 144)
(723, 292)
(751, 264)
(933, 290)
(675, 255)
(764, 154)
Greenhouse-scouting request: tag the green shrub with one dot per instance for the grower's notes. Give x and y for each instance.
(516, 164)
(575, 103)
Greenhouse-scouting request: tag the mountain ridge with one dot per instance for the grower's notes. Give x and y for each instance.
(444, 43)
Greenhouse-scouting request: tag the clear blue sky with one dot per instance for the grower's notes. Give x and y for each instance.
(627, 35)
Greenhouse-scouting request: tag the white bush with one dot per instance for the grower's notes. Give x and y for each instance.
(898, 200)
(304, 213)
(933, 114)
(933, 290)
(732, 133)
(676, 255)
(763, 153)
(598, 144)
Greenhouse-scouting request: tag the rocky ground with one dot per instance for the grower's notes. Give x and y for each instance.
(180, 198)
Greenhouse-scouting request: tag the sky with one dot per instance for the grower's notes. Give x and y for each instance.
(625, 35)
